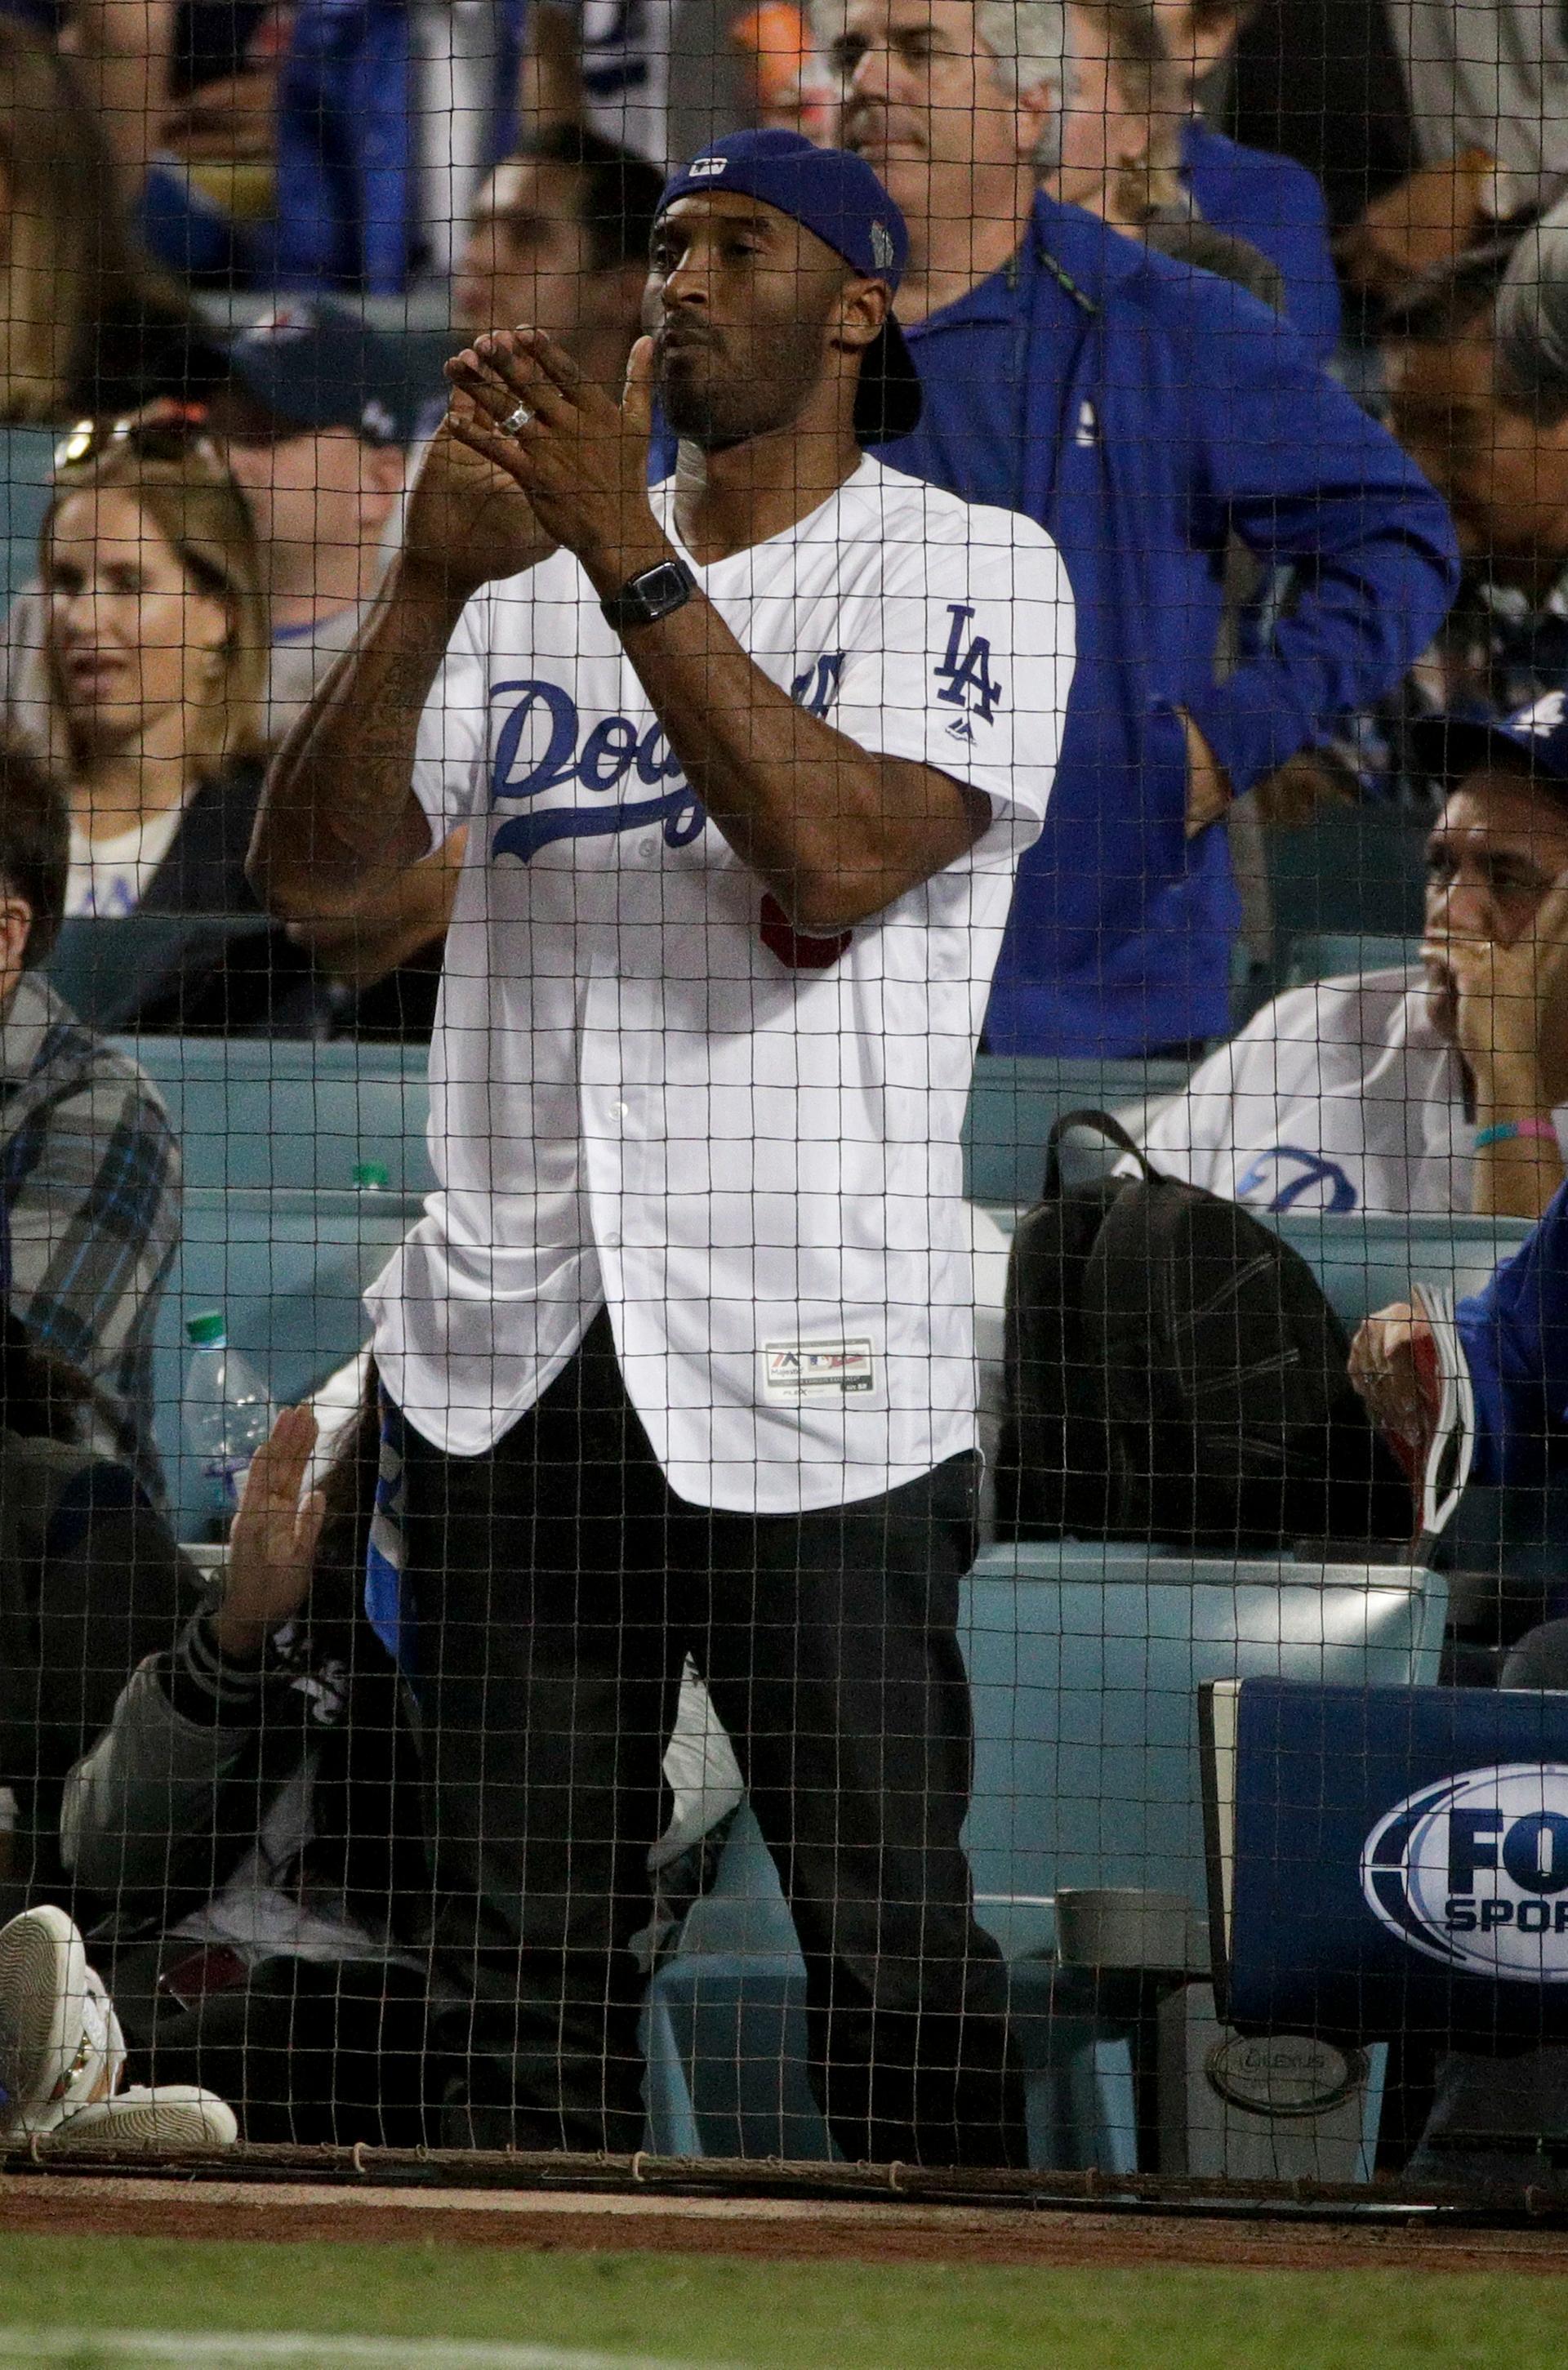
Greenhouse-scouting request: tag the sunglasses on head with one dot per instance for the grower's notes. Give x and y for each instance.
(168, 433)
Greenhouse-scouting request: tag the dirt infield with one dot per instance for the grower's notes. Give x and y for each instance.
(779, 2229)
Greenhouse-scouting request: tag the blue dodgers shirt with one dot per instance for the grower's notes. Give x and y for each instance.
(1142, 412)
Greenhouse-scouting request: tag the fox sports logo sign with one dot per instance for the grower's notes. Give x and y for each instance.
(1474, 1871)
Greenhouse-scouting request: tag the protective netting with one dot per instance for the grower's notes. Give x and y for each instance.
(783, 1079)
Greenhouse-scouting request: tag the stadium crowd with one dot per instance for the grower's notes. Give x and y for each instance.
(1197, 418)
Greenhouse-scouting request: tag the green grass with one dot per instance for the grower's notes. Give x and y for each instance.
(799, 2316)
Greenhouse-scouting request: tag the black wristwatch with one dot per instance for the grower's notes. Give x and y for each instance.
(644, 599)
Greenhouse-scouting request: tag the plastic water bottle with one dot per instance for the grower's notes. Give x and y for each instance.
(228, 1412)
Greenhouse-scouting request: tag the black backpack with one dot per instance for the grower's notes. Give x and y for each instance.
(1175, 1374)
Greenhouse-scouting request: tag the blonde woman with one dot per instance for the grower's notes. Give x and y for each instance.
(154, 654)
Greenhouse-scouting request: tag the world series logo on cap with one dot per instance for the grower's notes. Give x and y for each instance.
(881, 246)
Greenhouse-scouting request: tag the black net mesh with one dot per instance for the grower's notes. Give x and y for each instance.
(783, 1056)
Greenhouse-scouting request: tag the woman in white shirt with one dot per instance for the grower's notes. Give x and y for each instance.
(154, 654)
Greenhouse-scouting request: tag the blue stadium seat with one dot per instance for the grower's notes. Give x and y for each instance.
(26, 462)
(103, 968)
(1085, 1663)
(272, 1113)
(287, 1268)
(724, 2025)
(1339, 954)
(1366, 1259)
(1353, 869)
(1015, 1101)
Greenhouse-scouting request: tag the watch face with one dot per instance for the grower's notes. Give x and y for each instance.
(647, 598)
(661, 586)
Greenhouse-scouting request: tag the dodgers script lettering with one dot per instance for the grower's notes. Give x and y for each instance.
(541, 746)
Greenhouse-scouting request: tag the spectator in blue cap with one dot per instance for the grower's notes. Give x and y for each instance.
(315, 423)
(315, 420)
(802, 711)
(1442, 1088)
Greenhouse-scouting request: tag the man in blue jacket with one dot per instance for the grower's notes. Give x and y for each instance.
(1271, 200)
(1143, 413)
(1133, 70)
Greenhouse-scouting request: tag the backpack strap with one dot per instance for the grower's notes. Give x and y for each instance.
(1103, 1124)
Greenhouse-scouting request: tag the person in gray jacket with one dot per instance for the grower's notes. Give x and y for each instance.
(240, 1824)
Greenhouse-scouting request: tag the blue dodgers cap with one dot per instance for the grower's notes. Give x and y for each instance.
(839, 199)
(1449, 747)
(312, 366)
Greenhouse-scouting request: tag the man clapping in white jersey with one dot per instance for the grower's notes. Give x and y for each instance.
(681, 1357)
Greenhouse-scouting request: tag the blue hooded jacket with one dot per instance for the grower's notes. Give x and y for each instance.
(1142, 411)
(1279, 207)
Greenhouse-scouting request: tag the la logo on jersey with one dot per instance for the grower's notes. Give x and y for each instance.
(1295, 1175)
(541, 747)
(965, 673)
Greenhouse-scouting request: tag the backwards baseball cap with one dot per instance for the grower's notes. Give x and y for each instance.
(1449, 747)
(316, 366)
(839, 198)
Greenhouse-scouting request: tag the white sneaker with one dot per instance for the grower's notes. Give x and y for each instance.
(174, 2115)
(60, 2038)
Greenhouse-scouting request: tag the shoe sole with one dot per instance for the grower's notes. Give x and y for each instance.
(43, 1983)
(170, 2118)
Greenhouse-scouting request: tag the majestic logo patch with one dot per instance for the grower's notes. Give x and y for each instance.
(814, 1370)
(1474, 1871)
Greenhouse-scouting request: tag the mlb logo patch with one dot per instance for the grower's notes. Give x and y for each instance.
(814, 1370)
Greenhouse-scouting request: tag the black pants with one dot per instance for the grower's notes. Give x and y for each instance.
(307, 2052)
(558, 1584)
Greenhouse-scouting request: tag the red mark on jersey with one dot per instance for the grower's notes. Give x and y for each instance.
(794, 949)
